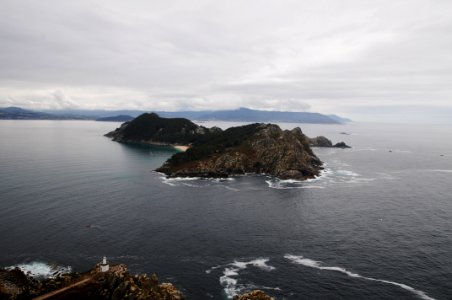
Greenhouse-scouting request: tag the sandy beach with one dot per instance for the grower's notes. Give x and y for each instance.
(181, 148)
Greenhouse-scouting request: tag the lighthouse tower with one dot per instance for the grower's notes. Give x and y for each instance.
(104, 267)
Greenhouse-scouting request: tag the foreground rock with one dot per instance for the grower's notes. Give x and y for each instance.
(254, 148)
(254, 295)
(321, 141)
(117, 283)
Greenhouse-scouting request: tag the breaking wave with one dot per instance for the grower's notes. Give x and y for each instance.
(231, 271)
(299, 259)
(193, 181)
(42, 270)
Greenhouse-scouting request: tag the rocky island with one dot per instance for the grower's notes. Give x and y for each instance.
(255, 148)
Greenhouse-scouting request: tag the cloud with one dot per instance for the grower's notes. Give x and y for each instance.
(293, 55)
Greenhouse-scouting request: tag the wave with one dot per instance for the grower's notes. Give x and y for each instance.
(41, 269)
(299, 259)
(185, 181)
(231, 271)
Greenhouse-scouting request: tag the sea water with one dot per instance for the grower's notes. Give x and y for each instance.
(375, 225)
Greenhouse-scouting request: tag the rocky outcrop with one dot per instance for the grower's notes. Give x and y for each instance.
(254, 148)
(254, 295)
(117, 283)
(321, 141)
(122, 285)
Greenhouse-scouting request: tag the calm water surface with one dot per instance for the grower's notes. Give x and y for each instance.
(376, 225)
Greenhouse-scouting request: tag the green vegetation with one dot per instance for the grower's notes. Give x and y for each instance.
(217, 142)
(150, 127)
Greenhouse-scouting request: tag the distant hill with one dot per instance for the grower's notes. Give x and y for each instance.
(251, 115)
(119, 118)
(235, 115)
(17, 113)
(339, 119)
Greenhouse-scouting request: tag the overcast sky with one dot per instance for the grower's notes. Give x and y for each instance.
(368, 60)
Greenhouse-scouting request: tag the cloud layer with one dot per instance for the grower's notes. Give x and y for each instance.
(329, 56)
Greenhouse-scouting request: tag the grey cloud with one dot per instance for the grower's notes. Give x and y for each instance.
(323, 56)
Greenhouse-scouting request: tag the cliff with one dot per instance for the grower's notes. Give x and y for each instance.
(255, 148)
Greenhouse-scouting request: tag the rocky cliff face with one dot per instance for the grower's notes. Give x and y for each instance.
(255, 148)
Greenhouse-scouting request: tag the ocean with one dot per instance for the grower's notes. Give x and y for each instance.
(377, 224)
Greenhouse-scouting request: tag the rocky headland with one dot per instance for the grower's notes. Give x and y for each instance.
(116, 283)
(211, 152)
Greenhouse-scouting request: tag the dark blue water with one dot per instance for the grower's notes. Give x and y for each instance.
(376, 225)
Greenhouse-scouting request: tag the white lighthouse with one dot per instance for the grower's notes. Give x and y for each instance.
(104, 267)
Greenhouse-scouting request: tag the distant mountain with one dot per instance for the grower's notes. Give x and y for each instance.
(251, 115)
(235, 115)
(340, 119)
(119, 118)
(17, 113)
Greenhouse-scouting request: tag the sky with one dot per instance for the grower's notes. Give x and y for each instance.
(370, 60)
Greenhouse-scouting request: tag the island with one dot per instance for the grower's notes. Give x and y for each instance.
(255, 148)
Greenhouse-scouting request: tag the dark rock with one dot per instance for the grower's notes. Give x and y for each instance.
(320, 141)
(254, 295)
(341, 145)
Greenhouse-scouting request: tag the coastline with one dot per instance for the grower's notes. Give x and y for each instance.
(181, 148)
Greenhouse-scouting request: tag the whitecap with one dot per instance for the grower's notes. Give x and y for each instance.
(41, 269)
(299, 259)
(231, 271)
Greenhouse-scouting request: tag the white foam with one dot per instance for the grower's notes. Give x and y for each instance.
(185, 181)
(231, 271)
(442, 171)
(41, 269)
(347, 173)
(299, 259)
